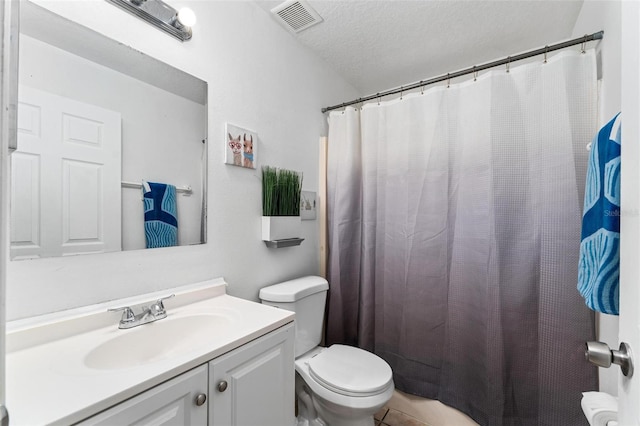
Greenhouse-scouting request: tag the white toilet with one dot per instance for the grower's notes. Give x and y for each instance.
(335, 386)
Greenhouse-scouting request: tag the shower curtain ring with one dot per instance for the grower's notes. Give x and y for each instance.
(379, 97)
(508, 62)
(401, 92)
(421, 88)
(448, 80)
(546, 49)
(475, 73)
(584, 44)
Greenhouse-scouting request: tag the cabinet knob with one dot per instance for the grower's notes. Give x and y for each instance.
(201, 399)
(222, 386)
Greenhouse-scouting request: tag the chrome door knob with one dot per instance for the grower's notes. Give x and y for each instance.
(201, 399)
(222, 386)
(600, 354)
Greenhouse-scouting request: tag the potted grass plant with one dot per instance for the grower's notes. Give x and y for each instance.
(280, 203)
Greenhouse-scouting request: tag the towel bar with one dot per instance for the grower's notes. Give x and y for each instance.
(184, 189)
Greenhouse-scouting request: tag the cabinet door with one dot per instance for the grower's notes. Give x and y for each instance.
(254, 384)
(171, 403)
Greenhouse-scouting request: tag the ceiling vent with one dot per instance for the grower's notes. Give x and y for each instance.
(296, 15)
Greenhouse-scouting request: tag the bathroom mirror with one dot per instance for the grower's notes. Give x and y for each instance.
(95, 119)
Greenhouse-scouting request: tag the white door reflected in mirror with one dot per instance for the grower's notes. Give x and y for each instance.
(65, 178)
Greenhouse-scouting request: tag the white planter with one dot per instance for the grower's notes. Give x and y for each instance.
(280, 227)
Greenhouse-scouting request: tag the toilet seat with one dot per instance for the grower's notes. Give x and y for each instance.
(350, 371)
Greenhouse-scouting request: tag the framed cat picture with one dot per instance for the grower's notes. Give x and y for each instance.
(240, 146)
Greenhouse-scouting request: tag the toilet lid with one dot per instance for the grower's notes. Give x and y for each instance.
(350, 371)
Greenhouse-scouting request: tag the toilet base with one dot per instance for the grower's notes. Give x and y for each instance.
(315, 411)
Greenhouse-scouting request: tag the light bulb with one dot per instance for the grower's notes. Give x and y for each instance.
(187, 17)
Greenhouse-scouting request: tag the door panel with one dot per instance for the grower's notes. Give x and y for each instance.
(82, 130)
(25, 203)
(69, 201)
(82, 212)
(629, 388)
(9, 27)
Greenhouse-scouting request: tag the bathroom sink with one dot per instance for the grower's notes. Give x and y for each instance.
(156, 341)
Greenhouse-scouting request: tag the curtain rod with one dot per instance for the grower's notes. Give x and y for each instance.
(474, 69)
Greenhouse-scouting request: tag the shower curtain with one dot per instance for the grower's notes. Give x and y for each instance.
(454, 231)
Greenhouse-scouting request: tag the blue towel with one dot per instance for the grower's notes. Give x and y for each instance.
(599, 269)
(160, 214)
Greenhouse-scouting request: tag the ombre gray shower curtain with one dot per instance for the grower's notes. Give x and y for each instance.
(454, 230)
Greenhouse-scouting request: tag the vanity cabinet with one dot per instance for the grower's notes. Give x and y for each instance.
(249, 386)
(173, 402)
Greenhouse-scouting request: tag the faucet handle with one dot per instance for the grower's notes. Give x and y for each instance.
(127, 314)
(158, 307)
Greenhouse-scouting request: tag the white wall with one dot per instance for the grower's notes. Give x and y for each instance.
(259, 78)
(162, 133)
(596, 16)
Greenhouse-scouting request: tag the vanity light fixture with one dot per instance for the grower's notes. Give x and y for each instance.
(161, 15)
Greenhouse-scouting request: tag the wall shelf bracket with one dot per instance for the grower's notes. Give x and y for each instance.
(286, 242)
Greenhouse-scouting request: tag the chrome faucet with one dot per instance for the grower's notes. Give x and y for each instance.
(151, 313)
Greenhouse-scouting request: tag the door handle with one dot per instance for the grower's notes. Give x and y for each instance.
(4, 416)
(600, 354)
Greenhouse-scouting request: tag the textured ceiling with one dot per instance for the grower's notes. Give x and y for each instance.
(377, 45)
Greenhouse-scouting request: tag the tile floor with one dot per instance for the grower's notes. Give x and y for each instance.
(391, 417)
(409, 410)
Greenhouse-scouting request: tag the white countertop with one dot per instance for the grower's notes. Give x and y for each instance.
(47, 379)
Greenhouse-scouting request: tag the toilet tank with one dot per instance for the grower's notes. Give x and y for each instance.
(306, 297)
